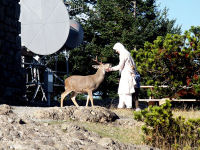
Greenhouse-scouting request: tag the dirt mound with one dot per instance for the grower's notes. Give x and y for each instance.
(91, 114)
(21, 133)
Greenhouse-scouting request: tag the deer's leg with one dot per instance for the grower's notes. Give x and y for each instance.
(73, 96)
(63, 95)
(90, 97)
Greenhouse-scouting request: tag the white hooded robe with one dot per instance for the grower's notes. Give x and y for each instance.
(127, 80)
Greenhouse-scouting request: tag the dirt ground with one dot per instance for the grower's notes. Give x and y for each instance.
(25, 128)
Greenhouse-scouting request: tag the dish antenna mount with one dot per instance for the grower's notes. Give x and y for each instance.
(46, 29)
(44, 25)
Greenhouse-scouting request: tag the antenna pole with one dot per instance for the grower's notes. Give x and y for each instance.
(134, 7)
(134, 13)
(66, 53)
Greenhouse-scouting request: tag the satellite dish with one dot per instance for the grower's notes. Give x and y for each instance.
(44, 25)
(75, 35)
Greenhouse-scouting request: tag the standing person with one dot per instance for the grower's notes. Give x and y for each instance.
(127, 80)
(135, 95)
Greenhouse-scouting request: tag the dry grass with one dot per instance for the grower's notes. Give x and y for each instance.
(128, 134)
(133, 134)
(123, 113)
(125, 135)
(121, 133)
(187, 114)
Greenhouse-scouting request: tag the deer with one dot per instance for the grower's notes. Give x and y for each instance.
(77, 84)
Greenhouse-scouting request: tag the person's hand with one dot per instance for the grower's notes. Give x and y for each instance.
(133, 75)
(108, 70)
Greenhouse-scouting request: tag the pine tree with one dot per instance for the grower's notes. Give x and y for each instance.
(172, 60)
(106, 22)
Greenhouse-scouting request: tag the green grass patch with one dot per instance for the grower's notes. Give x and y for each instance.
(122, 134)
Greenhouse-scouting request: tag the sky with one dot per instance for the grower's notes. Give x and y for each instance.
(186, 12)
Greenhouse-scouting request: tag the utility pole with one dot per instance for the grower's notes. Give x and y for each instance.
(134, 13)
(134, 9)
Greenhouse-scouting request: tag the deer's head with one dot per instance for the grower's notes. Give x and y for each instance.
(101, 65)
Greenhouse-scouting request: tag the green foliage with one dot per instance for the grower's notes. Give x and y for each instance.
(164, 131)
(111, 21)
(171, 60)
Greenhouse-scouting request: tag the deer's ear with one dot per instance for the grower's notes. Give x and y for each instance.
(95, 66)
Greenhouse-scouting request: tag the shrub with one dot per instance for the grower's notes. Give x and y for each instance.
(164, 131)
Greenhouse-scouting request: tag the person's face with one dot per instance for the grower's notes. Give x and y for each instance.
(117, 51)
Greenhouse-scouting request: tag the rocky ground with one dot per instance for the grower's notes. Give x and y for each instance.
(32, 128)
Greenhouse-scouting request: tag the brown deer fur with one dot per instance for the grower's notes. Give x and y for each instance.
(84, 84)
